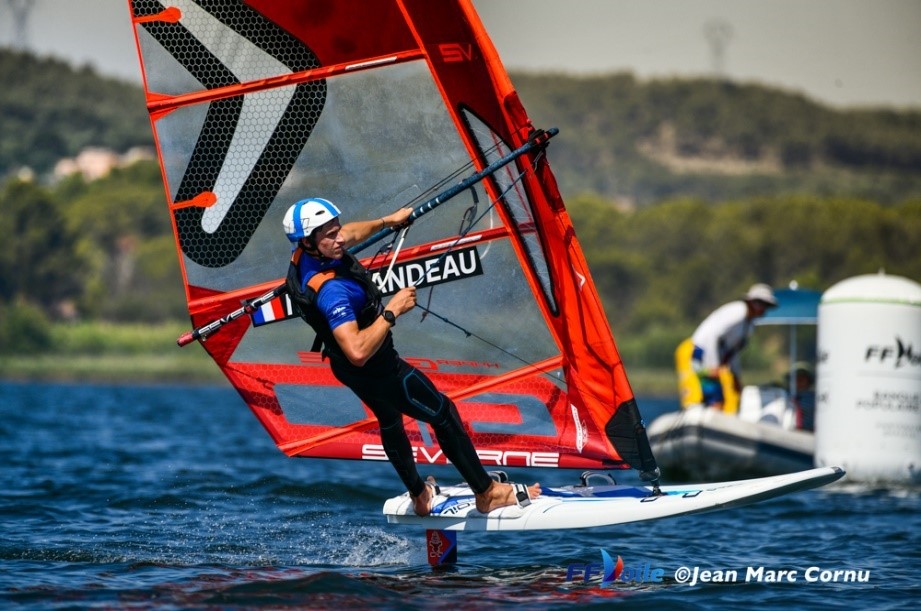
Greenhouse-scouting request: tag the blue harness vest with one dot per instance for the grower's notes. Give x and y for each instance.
(304, 295)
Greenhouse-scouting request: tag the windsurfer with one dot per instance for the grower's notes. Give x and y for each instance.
(708, 362)
(334, 293)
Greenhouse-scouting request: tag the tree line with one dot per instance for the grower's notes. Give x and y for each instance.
(100, 250)
(661, 269)
(103, 250)
(683, 193)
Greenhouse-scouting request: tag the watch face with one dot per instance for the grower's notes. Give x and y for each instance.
(389, 317)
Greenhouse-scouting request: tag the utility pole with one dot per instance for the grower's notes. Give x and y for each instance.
(20, 22)
(718, 33)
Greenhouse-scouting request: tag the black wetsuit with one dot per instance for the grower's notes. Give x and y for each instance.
(387, 384)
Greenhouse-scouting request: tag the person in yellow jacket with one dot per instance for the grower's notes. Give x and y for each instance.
(708, 361)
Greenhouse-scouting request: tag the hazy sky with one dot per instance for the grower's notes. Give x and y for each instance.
(842, 52)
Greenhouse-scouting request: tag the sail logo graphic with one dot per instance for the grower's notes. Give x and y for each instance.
(499, 458)
(452, 52)
(898, 355)
(248, 143)
(581, 434)
(581, 277)
(429, 271)
(611, 570)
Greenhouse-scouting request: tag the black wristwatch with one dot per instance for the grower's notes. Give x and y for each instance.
(390, 317)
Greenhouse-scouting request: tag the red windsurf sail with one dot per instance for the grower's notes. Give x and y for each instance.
(375, 105)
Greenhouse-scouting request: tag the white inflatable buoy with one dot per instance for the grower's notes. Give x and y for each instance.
(868, 382)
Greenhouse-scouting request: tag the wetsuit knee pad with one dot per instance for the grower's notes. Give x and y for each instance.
(422, 395)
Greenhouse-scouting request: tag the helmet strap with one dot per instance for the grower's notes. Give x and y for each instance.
(309, 246)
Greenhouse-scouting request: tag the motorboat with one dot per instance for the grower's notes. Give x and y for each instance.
(772, 432)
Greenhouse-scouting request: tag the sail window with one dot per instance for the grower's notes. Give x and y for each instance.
(515, 199)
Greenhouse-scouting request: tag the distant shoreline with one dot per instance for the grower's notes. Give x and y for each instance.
(110, 369)
(134, 353)
(197, 369)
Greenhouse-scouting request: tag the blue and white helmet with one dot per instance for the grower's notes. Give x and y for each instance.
(306, 215)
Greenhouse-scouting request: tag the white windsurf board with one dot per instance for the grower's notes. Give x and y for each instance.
(607, 505)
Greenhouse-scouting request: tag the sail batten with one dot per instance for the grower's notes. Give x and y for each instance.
(160, 103)
(256, 104)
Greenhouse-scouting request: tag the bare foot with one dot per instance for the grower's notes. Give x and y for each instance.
(501, 495)
(422, 504)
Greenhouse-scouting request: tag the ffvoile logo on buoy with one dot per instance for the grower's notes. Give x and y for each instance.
(897, 355)
(611, 570)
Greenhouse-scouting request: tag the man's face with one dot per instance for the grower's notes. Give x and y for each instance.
(758, 308)
(329, 241)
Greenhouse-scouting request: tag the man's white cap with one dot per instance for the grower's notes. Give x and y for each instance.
(761, 292)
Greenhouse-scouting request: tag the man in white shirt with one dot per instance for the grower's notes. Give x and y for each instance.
(708, 362)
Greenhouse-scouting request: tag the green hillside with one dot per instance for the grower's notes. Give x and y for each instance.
(636, 142)
(49, 110)
(641, 142)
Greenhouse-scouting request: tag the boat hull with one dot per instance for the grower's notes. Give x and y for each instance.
(705, 444)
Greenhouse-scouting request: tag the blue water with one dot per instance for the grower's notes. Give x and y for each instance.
(174, 497)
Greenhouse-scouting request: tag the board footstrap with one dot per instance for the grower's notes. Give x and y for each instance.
(521, 495)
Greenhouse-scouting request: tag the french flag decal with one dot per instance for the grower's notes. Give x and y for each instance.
(278, 309)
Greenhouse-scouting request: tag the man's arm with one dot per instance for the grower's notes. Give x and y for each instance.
(358, 231)
(359, 345)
